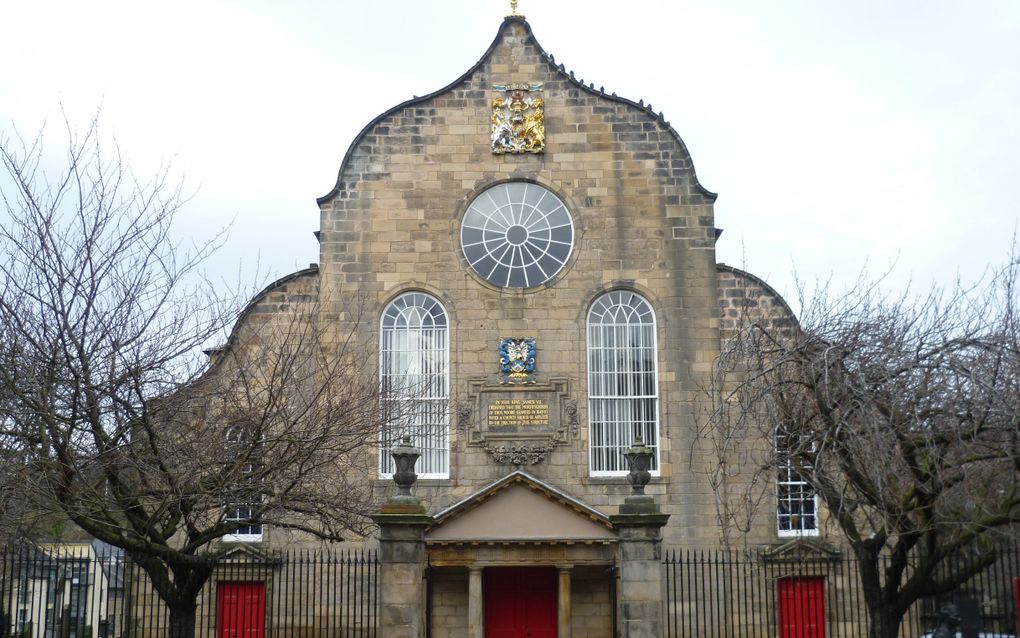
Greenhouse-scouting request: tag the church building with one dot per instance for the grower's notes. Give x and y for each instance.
(533, 259)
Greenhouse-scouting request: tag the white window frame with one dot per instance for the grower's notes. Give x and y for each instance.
(624, 436)
(231, 513)
(434, 443)
(789, 480)
(230, 510)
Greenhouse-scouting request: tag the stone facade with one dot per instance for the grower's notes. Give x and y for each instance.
(642, 222)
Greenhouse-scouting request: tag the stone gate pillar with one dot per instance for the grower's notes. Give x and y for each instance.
(402, 523)
(639, 523)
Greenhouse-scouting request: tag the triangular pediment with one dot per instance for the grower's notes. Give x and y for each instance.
(520, 508)
(801, 550)
(246, 553)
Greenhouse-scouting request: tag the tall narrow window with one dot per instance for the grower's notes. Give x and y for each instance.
(622, 380)
(797, 503)
(245, 456)
(414, 378)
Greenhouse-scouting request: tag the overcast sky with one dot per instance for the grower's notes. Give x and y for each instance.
(836, 133)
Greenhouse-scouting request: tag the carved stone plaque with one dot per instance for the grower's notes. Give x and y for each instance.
(518, 425)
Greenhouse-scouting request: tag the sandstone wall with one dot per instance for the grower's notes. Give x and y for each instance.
(642, 223)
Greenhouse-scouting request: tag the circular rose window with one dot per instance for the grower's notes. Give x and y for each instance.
(517, 235)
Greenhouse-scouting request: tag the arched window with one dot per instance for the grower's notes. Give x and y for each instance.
(622, 380)
(414, 366)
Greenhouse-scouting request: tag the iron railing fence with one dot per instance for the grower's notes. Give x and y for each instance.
(73, 591)
(755, 594)
(79, 591)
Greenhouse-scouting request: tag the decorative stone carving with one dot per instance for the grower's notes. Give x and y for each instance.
(520, 424)
(639, 459)
(523, 454)
(572, 416)
(518, 119)
(404, 456)
(464, 410)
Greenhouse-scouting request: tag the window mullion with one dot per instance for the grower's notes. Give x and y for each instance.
(414, 355)
(622, 382)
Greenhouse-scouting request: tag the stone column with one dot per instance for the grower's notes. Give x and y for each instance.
(641, 588)
(639, 523)
(402, 523)
(564, 613)
(476, 603)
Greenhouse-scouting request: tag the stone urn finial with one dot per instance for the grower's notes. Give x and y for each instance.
(405, 456)
(639, 504)
(639, 458)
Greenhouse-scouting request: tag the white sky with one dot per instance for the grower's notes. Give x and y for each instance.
(836, 133)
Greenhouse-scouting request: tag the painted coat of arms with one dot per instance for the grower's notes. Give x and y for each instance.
(517, 359)
(518, 119)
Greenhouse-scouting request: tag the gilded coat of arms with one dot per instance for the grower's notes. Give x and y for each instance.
(517, 359)
(518, 119)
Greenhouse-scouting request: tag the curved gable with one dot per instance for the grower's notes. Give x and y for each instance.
(745, 298)
(513, 38)
(277, 301)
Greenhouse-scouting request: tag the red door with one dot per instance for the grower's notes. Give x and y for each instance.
(1016, 593)
(241, 610)
(801, 608)
(520, 602)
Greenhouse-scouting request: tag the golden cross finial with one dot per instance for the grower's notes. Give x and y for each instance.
(513, 8)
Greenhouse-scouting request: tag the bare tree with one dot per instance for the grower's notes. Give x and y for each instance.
(111, 416)
(902, 413)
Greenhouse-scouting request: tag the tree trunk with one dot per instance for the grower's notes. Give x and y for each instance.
(883, 617)
(182, 620)
(179, 593)
(884, 623)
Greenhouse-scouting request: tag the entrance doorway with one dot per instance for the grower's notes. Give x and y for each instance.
(241, 609)
(801, 607)
(520, 602)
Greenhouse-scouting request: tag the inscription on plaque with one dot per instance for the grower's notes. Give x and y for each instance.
(518, 424)
(513, 412)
